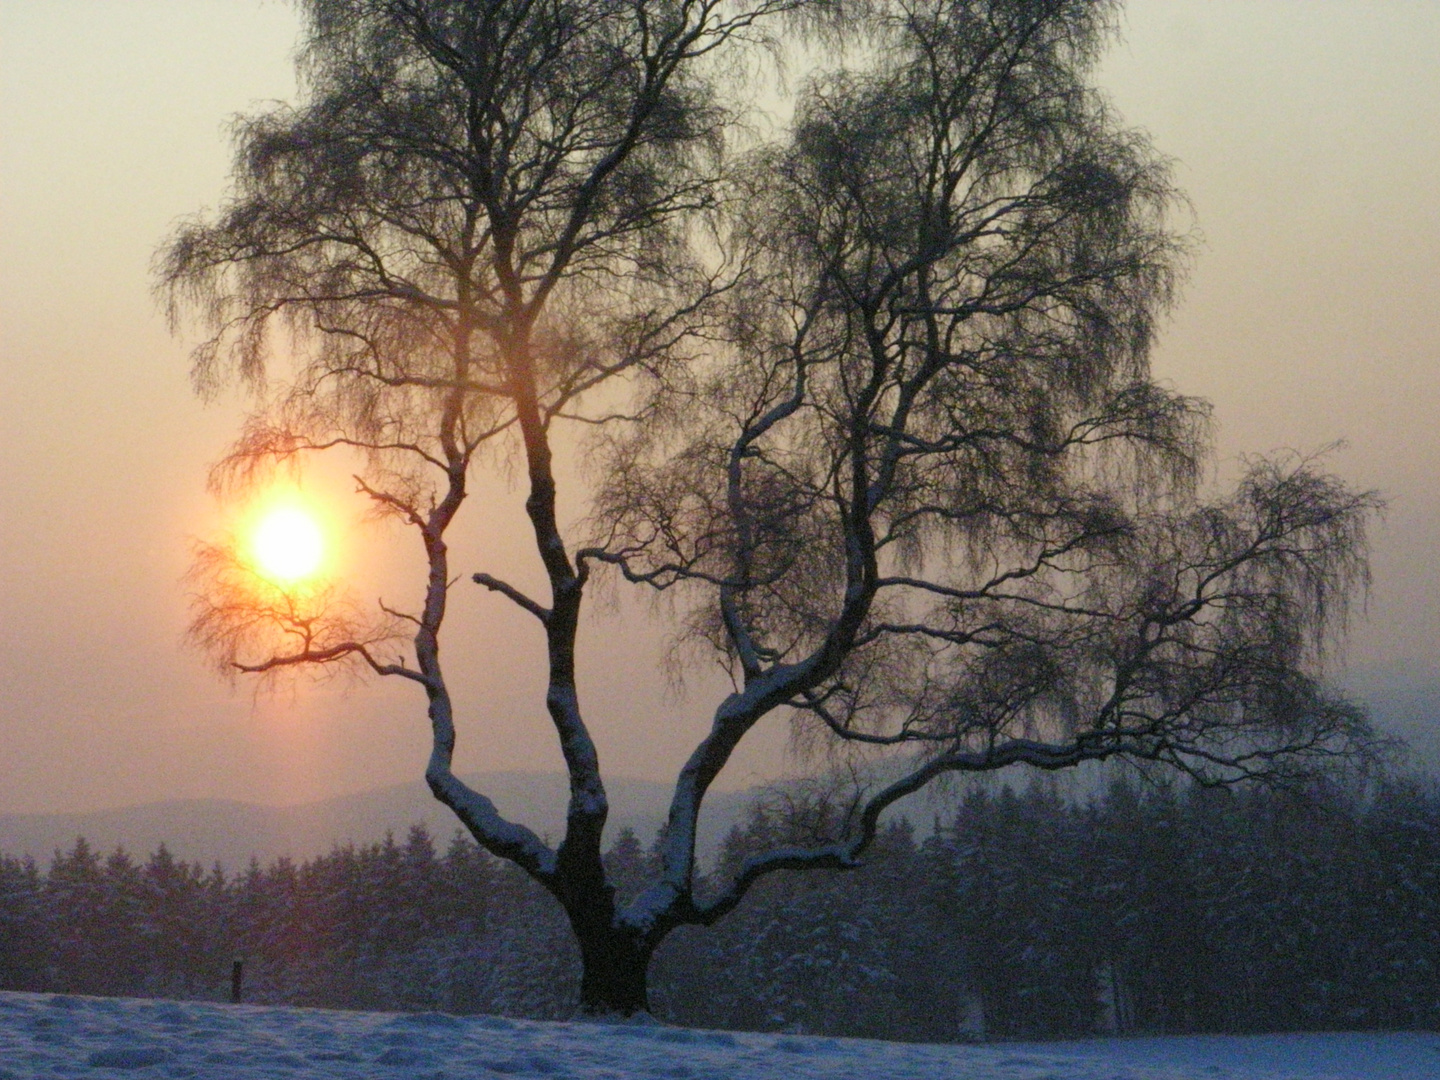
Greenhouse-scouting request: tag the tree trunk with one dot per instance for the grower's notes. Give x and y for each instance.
(615, 962)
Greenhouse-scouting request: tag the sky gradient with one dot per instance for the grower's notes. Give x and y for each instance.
(1306, 134)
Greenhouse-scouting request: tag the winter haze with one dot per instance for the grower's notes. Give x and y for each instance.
(1307, 137)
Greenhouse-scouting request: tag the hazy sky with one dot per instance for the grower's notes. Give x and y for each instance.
(1306, 133)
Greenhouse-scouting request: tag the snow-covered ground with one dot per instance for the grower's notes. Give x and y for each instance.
(43, 1036)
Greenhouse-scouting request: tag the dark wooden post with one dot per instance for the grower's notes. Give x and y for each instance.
(237, 970)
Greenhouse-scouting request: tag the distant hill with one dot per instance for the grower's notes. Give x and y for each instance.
(232, 833)
(1406, 703)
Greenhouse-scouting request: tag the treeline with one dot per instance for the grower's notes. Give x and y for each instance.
(1022, 914)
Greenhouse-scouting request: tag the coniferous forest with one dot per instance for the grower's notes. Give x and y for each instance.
(1023, 913)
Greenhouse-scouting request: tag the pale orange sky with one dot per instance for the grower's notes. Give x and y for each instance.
(1306, 133)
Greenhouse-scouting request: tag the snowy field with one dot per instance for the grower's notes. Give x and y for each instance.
(43, 1036)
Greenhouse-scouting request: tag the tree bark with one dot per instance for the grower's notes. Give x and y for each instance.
(614, 965)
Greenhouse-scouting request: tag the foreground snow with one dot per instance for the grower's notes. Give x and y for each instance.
(44, 1036)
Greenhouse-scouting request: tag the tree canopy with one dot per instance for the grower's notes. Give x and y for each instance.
(870, 397)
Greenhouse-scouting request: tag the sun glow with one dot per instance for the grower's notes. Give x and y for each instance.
(287, 545)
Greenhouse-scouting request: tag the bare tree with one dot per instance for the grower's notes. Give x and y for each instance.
(872, 401)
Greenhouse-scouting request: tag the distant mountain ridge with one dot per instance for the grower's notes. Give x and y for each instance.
(231, 833)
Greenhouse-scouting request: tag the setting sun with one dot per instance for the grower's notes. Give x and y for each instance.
(287, 544)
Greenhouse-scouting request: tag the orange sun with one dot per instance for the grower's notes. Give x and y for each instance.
(287, 545)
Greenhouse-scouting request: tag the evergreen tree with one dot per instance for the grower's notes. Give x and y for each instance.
(24, 940)
(1142, 909)
(1395, 968)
